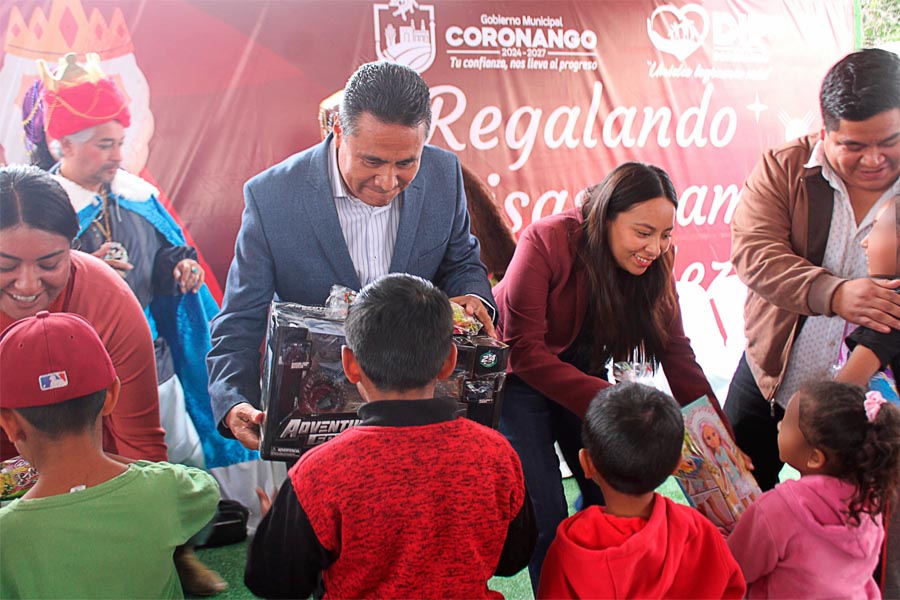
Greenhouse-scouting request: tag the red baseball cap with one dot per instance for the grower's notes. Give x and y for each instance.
(50, 358)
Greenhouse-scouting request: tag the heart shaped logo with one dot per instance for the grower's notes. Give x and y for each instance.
(684, 29)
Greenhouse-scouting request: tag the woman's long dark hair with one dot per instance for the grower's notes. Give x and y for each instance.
(627, 312)
(32, 197)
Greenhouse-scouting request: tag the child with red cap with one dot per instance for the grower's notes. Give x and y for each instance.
(91, 527)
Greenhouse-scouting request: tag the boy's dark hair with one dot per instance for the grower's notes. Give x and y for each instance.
(72, 416)
(865, 454)
(400, 328)
(633, 434)
(390, 92)
(861, 85)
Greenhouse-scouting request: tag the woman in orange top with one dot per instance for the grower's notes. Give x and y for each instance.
(39, 271)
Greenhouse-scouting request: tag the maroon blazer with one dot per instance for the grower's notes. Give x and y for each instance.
(542, 301)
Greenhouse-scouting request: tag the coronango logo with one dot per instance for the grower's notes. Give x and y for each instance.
(404, 33)
(684, 29)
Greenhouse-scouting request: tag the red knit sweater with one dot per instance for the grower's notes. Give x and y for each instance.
(412, 503)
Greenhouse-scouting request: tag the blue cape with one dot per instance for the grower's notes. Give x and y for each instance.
(183, 321)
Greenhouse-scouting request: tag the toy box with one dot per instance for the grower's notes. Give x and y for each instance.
(481, 365)
(308, 399)
(305, 394)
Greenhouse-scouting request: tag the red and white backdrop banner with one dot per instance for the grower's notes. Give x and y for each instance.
(539, 98)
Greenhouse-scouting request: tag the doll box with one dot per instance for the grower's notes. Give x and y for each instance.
(711, 472)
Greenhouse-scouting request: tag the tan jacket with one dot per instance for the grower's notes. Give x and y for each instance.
(775, 251)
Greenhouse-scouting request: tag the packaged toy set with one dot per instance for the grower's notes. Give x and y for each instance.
(479, 378)
(308, 399)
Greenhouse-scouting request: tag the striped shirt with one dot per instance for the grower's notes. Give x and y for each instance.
(369, 231)
(820, 343)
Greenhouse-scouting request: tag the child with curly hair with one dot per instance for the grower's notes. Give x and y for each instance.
(820, 535)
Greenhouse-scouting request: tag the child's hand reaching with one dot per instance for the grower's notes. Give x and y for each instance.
(265, 500)
(748, 464)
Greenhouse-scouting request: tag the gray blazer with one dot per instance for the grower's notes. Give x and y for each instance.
(291, 248)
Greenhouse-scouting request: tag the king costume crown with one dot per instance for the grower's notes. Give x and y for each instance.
(77, 96)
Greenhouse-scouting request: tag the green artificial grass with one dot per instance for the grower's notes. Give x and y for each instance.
(229, 560)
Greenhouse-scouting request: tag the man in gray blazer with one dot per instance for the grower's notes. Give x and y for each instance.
(369, 200)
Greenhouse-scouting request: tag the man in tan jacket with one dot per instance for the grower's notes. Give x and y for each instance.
(796, 239)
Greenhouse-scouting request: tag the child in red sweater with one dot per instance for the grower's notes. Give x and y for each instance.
(641, 544)
(411, 503)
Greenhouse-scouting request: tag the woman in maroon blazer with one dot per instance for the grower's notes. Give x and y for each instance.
(584, 286)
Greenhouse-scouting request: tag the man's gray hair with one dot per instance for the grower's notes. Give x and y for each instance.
(77, 138)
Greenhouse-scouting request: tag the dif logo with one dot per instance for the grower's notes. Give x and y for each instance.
(682, 30)
(678, 31)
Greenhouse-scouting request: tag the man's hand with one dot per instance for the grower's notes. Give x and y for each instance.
(475, 307)
(121, 267)
(243, 420)
(871, 303)
(189, 275)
